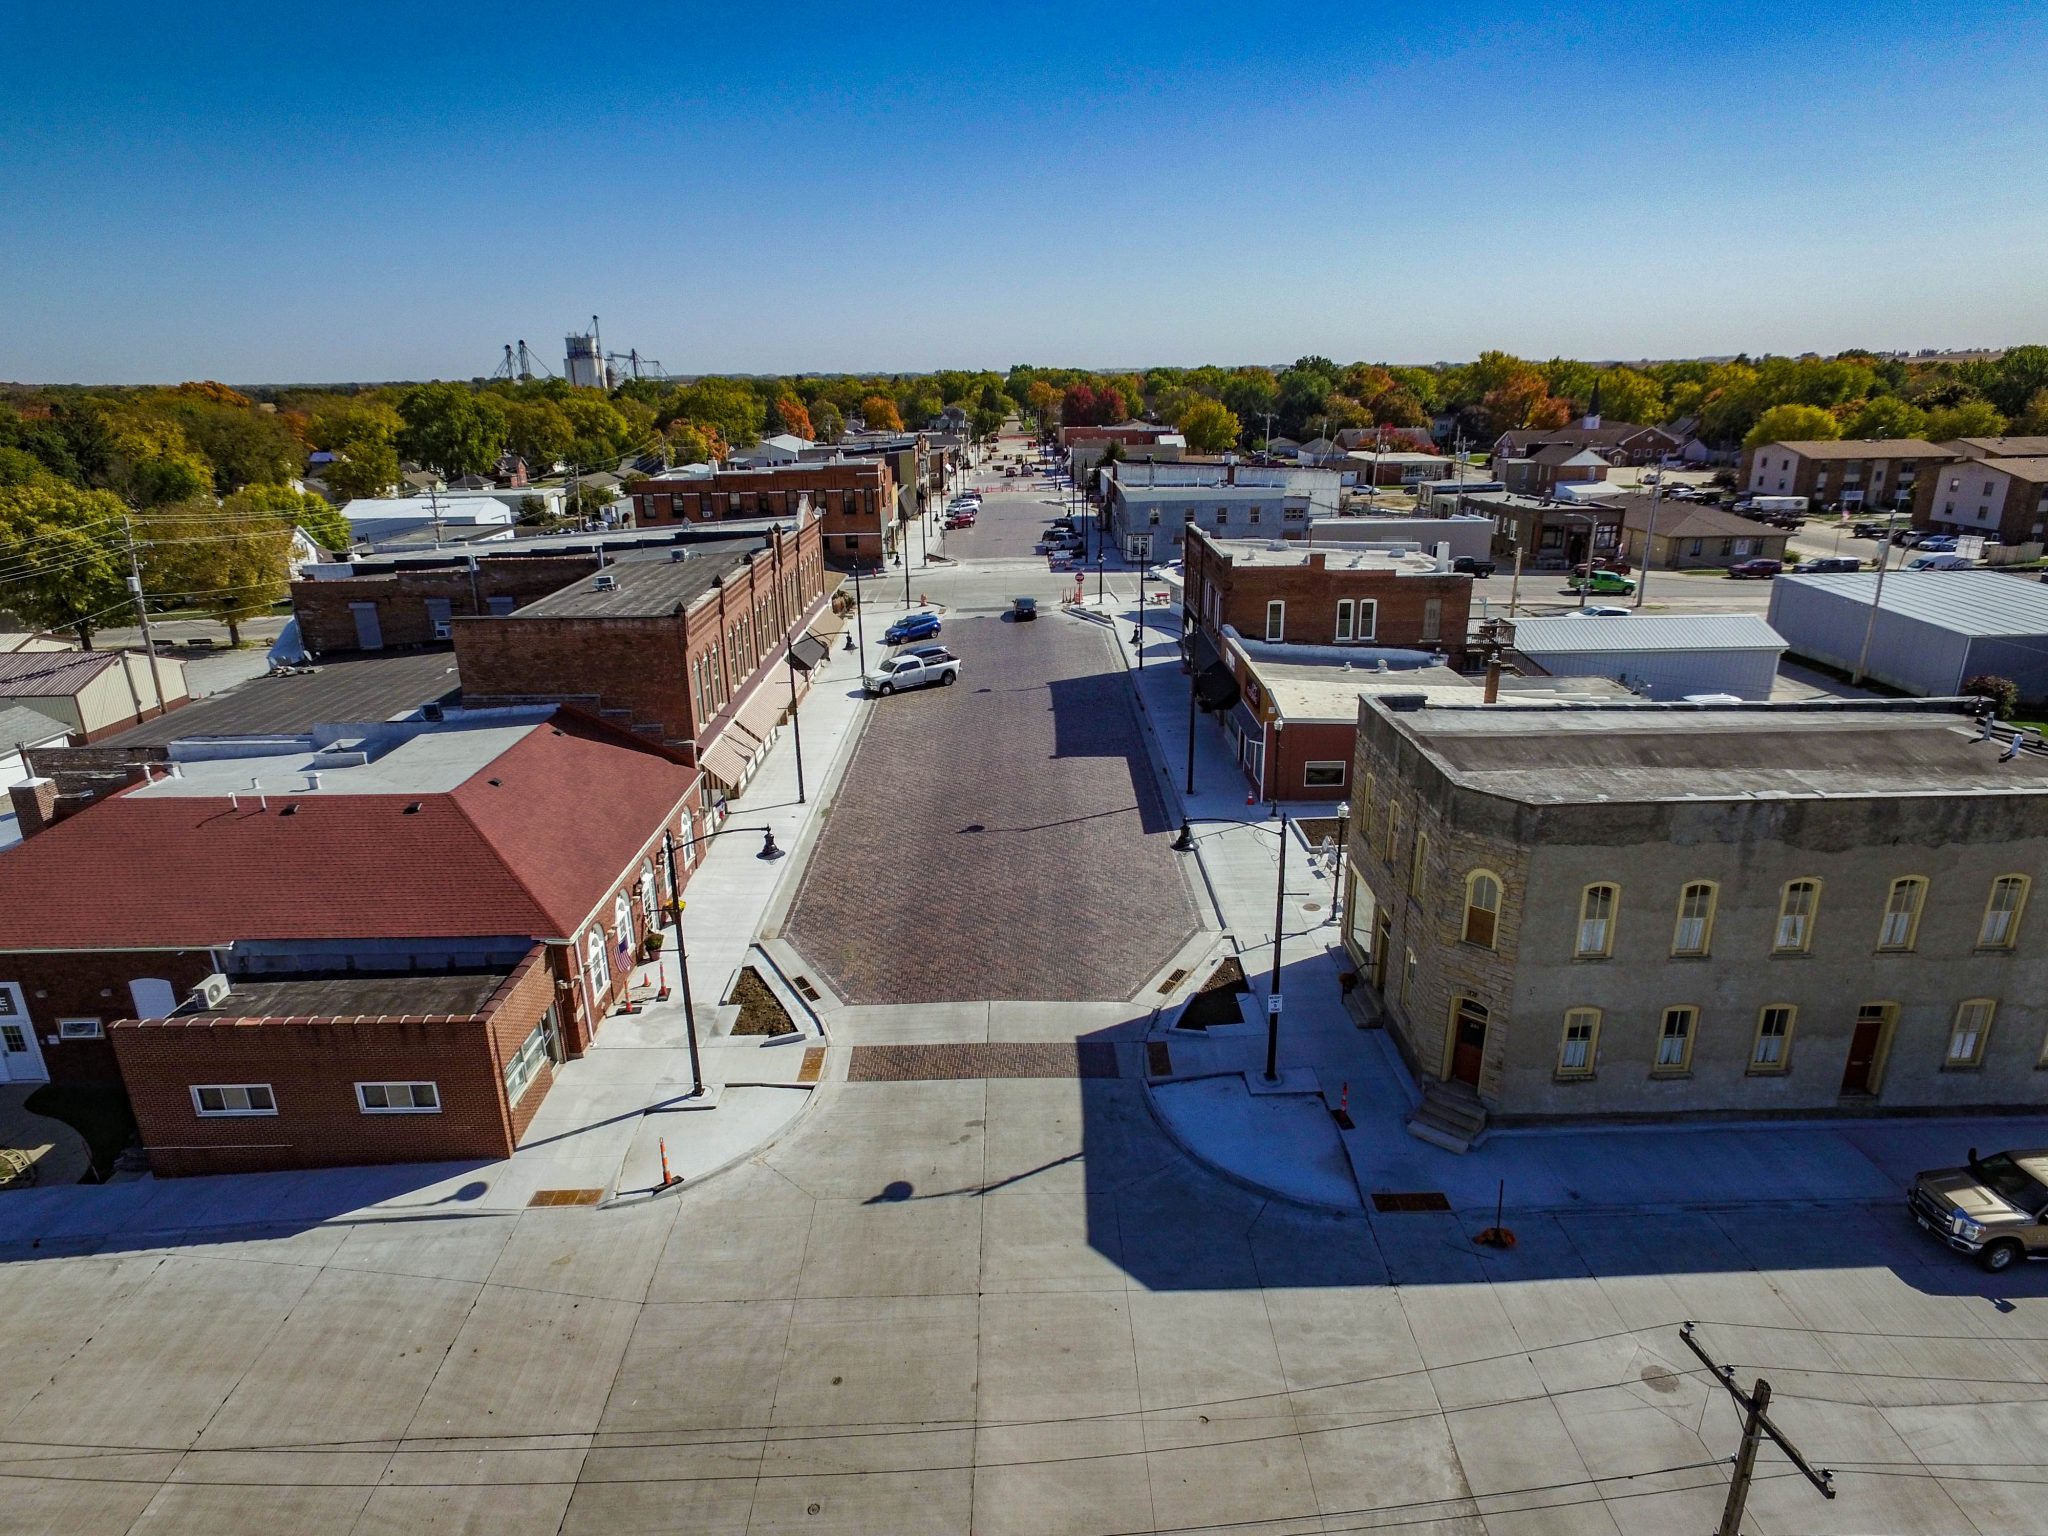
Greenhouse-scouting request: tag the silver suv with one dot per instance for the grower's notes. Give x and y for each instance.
(1995, 1208)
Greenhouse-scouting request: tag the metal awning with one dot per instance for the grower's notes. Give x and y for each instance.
(725, 760)
(743, 738)
(807, 651)
(1202, 650)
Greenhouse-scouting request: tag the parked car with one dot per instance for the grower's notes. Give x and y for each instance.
(1994, 1208)
(1599, 611)
(1755, 570)
(1866, 530)
(1906, 538)
(930, 653)
(1939, 563)
(912, 671)
(1827, 563)
(1469, 565)
(1607, 583)
(1937, 544)
(912, 626)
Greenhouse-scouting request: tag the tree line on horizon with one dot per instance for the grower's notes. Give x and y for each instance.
(207, 480)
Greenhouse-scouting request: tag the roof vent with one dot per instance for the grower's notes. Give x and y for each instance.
(413, 808)
(606, 584)
(1404, 702)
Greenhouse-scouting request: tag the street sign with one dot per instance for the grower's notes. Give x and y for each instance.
(1273, 1004)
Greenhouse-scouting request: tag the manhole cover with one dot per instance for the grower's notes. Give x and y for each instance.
(1311, 906)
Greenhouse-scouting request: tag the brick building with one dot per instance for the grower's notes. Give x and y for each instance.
(1341, 597)
(1550, 466)
(395, 928)
(1847, 474)
(1618, 442)
(1633, 911)
(2003, 498)
(376, 610)
(1551, 535)
(690, 650)
(857, 500)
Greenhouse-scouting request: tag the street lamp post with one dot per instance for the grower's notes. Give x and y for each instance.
(796, 728)
(1273, 767)
(1650, 541)
(675, 905)
(1273, 987)
(1337, 873)
(859, 615)
(1138, 623)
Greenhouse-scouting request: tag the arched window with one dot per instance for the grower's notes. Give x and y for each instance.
(647, 890)
(1798, 905)
(1695, 931)
(596, 967)
(1597, 904)
(622, 921)
(1901, 924)
(1482, 907)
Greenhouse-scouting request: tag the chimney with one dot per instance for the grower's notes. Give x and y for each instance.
(35, 804)
(1443, 558)
(312, 781)
(1315, 559)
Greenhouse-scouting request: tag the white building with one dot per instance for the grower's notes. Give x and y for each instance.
(1660, 657)
(1934, 630)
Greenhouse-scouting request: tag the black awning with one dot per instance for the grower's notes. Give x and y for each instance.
(807, 652)
(1202, 650)
(1215, 688)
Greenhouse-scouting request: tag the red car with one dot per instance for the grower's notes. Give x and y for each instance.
(1756, 570)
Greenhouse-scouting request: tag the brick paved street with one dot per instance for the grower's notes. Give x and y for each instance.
(1000, 838)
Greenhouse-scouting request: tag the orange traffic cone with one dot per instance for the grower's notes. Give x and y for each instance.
(1344, 1109)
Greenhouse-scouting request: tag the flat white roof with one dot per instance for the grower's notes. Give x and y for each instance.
(1568, 634)
(431, 761)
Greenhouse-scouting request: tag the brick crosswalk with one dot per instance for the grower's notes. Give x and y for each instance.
(935, 1063)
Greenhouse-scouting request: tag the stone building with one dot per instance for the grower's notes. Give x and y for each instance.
(1634, 911)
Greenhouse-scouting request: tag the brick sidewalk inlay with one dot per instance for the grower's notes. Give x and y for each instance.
(937, 1063)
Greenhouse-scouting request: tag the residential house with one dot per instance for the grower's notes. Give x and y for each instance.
(92, 694)
(1553, 464)
(1618, 442)
(1667, 535)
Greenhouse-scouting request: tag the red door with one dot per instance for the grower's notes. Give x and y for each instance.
(1469, 1049)
(1862, 1052)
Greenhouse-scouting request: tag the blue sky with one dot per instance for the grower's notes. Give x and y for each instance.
(261, 193)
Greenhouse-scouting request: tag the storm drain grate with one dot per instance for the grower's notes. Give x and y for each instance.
(1158, 1059)
(1427, 1200)
(1173, 979)
(566, 1197)
(803, 985)
(813, 1065)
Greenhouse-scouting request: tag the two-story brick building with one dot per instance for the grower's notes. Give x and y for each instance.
(1632, 911)
(1346, 596)
(2001, 496)
(856, 499)
(366, 943)
(691, 649)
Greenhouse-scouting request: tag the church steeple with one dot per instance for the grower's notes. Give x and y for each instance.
(1592, 421)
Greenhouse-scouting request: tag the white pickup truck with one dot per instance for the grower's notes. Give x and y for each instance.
(926, 665)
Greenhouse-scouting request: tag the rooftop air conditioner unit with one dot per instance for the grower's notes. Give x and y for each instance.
(211, 992)
(607, 584)
(432, 712)
(443, 629)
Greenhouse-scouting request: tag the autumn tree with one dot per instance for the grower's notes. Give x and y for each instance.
(153, 464)
(728, 410)
(1792, 424)
(1043, 401)
(1210, 426)
(1522, 402)
(1885, 417)
(64, 553)
(881, 414)
(689, 443)
(1629, 396)
(795, 418)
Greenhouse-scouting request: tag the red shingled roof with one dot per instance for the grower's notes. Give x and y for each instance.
(531, 855)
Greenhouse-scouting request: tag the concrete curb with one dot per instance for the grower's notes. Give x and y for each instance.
(1229, 1176)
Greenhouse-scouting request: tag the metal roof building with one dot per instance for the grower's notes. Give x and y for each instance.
(1662, 657)
(1934, 631)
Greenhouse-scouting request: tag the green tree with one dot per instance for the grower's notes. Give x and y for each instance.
(602, 434)
(64, 551)
(1250, 393)
(2017, 378)
(1210, 426)
(244, 445)
(233, 563)
(540, 432)
(1629, 396)
(1884, 416)
(1792, 424)
(827, 424)
(2032, 420)
(689, 443)
(452, 428)
(1972, 418)
(301, 509)
(365, 467)
(729, 409)
(153, 464)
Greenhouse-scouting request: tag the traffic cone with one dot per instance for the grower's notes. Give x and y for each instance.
(667, 1178)
(1344, 1120)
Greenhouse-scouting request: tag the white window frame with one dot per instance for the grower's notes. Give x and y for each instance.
(1276, 619)
(1344, 612)
(81, 1029)
(229, 1109)
(364, 1091)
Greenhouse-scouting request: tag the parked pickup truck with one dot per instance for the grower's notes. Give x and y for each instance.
(1994, 1208)
(914, 669)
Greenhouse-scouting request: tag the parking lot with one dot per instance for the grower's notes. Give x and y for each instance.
(1001, 838)
(1013, 519)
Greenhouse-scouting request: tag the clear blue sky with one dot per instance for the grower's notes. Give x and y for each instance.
(265, 193)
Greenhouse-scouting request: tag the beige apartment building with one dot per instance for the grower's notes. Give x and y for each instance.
(1630, 911)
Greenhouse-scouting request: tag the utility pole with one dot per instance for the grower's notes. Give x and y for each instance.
(1649, 541)
(1884, 561)
(434, 503)
(1756, 1428)
(675, 902)
(156, 676)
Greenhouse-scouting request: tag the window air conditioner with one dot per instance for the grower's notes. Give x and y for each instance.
(211, 992)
